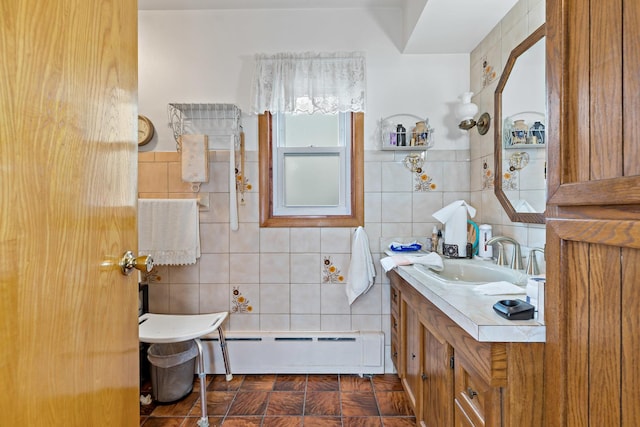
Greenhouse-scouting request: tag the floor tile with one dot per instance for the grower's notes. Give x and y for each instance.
(399, 421)
(282, 421)
(242, 422)
(297, 400)
(249, 403)
(258, 382)
(286, 403)
(387, 382)
(322, 403)
(290, 383)
(323, 383)
(359, 404)
(393, 403)
(322, 421)
(361, 422)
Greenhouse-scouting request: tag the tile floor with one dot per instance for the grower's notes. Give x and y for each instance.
(288, 400)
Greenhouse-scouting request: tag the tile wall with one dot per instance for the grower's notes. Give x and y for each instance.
(487, 61)
(294, 278)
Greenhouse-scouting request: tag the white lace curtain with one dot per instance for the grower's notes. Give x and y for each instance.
(309, 82)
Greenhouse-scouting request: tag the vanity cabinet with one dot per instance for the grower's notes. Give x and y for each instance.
(450, 378)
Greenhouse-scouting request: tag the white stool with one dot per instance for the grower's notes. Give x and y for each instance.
(169, 328)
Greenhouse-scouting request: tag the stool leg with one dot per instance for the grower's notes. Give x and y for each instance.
(225, 355)
(204, 421)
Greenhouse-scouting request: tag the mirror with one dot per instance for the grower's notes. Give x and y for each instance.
(520, 139)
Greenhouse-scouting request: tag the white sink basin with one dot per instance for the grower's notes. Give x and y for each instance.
(472, 272)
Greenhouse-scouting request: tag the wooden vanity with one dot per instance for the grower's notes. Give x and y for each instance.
(453, 379)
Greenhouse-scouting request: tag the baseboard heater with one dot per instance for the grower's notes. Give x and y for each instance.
(359, 352)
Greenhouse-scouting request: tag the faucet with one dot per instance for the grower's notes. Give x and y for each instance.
(532, 263)
(516, 260)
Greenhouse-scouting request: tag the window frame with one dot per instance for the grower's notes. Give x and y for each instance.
(266, 129)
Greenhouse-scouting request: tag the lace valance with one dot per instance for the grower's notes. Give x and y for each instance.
(309, 82)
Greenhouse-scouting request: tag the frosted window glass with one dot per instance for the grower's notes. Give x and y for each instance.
(312, 180)
(317, 130)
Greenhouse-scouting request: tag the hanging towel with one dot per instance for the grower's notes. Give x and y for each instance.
(432, 260)
(362, 272)
(454, 218)
(169, 230)
(194, 158)
(233, 198)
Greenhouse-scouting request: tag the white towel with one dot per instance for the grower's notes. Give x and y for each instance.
(194, 151)
(362, 272)
(432, 260)
(169, 230)
(233, 198)
(499, 288)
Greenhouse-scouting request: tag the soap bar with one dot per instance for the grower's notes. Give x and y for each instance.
(514, 309)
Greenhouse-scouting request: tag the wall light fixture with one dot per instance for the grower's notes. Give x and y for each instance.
(466, 111)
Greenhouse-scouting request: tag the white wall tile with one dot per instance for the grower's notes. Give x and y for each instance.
(274, 268)
(274, 299)
(305, 322)
(246, 239)
(305, 298)
(305, 268)
(244, 268)
(184, 299)
(214, 268)
(305, 240)
(214, 238)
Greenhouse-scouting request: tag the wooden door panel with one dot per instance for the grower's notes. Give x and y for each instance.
(630, 314)
(68, 157)
(631, 94)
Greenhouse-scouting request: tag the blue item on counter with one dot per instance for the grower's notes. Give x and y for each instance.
(399, 247)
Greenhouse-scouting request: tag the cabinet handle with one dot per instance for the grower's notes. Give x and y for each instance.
(424, 376)
(395, 354)
(471, 393)
(395, 296)
(413, 356)
(395, 325)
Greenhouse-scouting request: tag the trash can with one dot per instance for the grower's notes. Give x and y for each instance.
(172, 369)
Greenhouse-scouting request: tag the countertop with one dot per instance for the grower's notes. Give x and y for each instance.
(474, 312)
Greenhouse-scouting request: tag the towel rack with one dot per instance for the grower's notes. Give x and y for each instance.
(218, 121)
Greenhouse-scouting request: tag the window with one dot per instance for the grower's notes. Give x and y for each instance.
(311, 170)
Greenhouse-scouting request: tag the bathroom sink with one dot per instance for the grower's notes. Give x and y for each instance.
(472, 272)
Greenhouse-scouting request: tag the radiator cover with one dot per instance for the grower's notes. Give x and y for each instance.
(359, 352)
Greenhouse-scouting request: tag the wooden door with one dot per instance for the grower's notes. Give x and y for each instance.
(592, 353)
(68, 155)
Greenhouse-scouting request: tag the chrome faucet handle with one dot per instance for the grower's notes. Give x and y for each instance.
(516, 260)
(532, 263)
(501, 258)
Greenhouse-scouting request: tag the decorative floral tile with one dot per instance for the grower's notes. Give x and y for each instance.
(331, 273)
(242, 185)
(423, 182)
(510, 180)
(152, 276)
(488, 73)
(239, 304)
(488, 179)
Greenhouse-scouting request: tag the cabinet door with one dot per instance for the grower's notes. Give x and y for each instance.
(437, 396)
(395, 329)
(411, 354)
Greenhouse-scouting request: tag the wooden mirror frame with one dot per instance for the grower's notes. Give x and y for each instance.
(267, 219)
(532, 218)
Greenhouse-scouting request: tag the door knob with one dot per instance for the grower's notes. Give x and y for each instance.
(130, 261)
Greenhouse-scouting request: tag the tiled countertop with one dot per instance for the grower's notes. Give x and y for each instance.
(474, 312)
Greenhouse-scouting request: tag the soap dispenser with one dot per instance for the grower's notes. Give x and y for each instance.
(484, 250)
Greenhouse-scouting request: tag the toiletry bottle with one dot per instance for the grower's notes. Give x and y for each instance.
(484, 250)
(440, 243)
(402, 135)
(434, 239)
